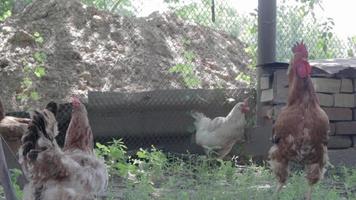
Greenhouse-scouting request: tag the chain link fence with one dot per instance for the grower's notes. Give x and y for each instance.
(298, 21)
(137, 48)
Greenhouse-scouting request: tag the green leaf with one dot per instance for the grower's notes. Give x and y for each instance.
(34, 96)
(330, 35)
(141, 154)
(40, 71)
(38, 38)
(27, 82)
(39, 57)
(36, 34)
(27, 69)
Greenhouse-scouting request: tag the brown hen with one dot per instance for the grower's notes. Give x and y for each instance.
(300, 132)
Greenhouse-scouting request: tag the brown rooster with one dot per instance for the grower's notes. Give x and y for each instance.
(74, 173)
(300, 132)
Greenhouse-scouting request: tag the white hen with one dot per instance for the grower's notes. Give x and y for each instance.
(219, 135)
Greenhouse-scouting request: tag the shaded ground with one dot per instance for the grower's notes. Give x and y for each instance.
(86, 49)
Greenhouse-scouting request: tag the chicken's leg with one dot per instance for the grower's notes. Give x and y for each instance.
(309, 192)
(314, 172)
(279, 166)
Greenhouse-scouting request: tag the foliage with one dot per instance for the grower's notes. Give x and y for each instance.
(295, 21)
(124, 7)
(352, 46)
(5, 9)
(15, 174)
(186, 68)
(33, 71)
(166, 176)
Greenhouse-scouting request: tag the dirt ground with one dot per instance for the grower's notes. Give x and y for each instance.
(90, 50)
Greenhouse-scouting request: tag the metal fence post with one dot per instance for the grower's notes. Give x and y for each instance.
(5, 176)
(266, 51)
(266, 31)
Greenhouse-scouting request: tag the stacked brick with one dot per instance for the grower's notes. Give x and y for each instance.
(336, 95)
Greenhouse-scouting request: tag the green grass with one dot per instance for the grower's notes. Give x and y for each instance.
(155, 175)
(151, 174)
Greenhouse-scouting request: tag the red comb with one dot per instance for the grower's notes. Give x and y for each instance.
(246, 101)
(75, 99)
(300, 48)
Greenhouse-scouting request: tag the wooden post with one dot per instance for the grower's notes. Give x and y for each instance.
(5, 176)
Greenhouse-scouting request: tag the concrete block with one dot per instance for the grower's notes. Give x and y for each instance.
(343, 157)
(267, 95)
(339, 114)
(339, 142)
(265, 83)
(346, 85)
(280, 95)
(345, 128)
(280, 78)
(266, 112)
(354, 81)
(344, 100)
(280, 86)
(259, 141)
(276, 110)
(325, 99)
(327, 85)
(332, 129)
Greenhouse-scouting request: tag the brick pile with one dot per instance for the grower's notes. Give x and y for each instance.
(336, 89)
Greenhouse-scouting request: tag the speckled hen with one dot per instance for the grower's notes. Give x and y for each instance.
(74, 173)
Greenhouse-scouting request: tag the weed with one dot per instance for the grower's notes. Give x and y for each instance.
(165, 176)
(186, 68)
(32, 71)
